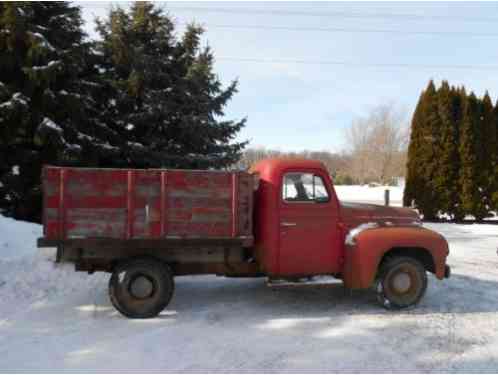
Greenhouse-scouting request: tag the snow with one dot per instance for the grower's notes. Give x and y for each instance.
(6, 104)
(16, 98)
(104, 145)
(16, 237)
(50, 124)
(84, 136)
(43, 67)
(55, 319)
(96, 52)
(351, 236)
(44, 41)
(135, 144)
(19, 98)
(366, 194)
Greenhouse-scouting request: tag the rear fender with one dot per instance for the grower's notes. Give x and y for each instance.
(365, 251)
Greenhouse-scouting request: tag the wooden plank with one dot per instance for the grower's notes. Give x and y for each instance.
(235, 203)
(199, 204)
(164, 192)
(129, 205)
(62, 217)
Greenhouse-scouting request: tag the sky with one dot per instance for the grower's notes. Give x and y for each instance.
(306, 70)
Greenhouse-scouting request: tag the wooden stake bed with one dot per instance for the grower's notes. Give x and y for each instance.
(110, 213)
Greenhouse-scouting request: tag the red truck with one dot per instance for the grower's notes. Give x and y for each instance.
(282, 220)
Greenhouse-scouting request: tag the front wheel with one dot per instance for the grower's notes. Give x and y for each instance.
(141, 287)
(401, 283)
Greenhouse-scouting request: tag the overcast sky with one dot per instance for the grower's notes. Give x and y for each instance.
(296, 106)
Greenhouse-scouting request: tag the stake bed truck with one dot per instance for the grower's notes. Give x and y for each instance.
(282, 220)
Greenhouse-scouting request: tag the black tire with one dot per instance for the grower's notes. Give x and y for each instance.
(141, 288)
(401, 283)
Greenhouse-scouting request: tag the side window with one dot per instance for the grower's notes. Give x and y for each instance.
(304, 187)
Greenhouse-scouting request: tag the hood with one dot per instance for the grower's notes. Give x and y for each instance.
(354, 214)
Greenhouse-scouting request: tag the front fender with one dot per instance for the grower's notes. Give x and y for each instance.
(364, 253)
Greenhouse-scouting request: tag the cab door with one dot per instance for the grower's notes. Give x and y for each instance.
(309, 235)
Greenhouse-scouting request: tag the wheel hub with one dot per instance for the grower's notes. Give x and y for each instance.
(401, 282)
(141, 287)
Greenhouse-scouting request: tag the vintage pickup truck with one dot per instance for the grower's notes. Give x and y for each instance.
(282, 219)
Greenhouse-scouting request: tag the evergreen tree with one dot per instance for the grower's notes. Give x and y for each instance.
(414, 182)
(452, 157)
(442, 167)
(426, 199)
(422, 164)
(458, 100)
(486, 151)
(167, 102)
(446, 176)
(470, 142)
(47, 100)
(494, 170)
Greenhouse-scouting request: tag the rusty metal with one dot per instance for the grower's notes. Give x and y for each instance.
(152, 243)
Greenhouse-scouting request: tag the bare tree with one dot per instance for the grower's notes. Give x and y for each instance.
(377, 144)
(358, 136)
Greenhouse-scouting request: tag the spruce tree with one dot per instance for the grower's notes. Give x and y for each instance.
(458, 100)
(446, 175)
(428, 201)
(494, 170)
(414, 182)
(48, 111)
(486, 152)
(452, 158)
(422, 164)
(470, 142)
(166, 100)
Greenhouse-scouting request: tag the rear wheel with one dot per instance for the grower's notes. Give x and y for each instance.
(141, 287)
(402, 282)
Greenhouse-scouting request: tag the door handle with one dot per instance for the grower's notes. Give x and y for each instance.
(286, 224)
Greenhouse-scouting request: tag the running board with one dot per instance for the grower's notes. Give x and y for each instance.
(303, 281)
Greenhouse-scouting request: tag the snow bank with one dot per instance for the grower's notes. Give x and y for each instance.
(17, 238)
(29, 274)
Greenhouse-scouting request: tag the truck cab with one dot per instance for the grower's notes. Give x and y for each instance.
(302, 229)
(297, 219)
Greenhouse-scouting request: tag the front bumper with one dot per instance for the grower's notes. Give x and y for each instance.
(447, 271)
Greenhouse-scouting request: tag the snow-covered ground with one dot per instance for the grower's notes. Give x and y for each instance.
(366, 194)
(54, 319)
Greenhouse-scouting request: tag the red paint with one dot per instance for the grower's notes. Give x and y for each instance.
(129, 205)
(62, 217)
(163, 204)
(314, 244)
(235, 200)
(103, 203)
